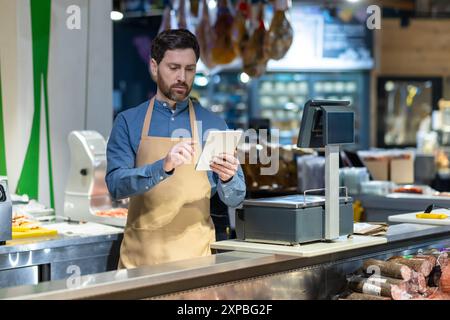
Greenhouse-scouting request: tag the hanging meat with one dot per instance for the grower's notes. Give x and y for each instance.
(280, 35)
(205, 36)
(182, 24)
(165, 24)
(254, 59)
(239, 29)
(194, 7)
(222, 51)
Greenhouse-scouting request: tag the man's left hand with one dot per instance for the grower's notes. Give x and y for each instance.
(225, 165)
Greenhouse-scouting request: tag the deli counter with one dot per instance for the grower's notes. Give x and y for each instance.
(240, 272)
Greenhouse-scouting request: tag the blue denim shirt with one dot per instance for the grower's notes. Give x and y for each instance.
(124, 179)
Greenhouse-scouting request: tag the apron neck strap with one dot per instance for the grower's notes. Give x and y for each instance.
(148, 119)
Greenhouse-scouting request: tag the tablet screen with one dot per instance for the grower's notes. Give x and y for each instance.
(218, 142)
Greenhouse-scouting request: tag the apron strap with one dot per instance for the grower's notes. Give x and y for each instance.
(148, 118)
(192, 120)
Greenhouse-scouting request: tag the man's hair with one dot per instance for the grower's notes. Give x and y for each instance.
(172, 40)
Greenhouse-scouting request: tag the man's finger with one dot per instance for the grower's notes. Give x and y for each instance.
(189, 142)
(221, 175)
(228, 157)
(186, 154)
(222, 169)
(188, 148)
(224, 163)
(181, 158)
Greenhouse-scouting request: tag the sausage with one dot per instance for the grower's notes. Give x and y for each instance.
(418, 283)
(423, 266)
(430, 258)
(388, 269)
(378, 278)
(442, 260)
(400, 293)
(439, 295)
(367, 286)
(362, 296)
(430, 292)
(444, 282)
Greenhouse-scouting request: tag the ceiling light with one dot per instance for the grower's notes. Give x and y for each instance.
(116, 15)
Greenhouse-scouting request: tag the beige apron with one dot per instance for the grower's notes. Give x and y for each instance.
(172, 220)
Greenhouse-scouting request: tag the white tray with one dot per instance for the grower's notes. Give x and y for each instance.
(411, 218)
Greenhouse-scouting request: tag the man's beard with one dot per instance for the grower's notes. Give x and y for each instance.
(170, 91)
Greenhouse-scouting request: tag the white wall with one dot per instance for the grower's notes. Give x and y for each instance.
(79, 85)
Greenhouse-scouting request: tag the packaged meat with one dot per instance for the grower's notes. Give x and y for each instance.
(362, 296)
(113, 213)
(369, 286)
(386, 268)
(409, 189)
(419, 265)
(418, 283)
(439, 295)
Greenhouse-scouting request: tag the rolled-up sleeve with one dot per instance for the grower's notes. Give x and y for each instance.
(122, 177)
(232, 192)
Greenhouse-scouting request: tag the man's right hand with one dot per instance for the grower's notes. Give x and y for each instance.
(179, 154)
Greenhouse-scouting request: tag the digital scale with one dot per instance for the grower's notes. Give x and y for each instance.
(296, 219)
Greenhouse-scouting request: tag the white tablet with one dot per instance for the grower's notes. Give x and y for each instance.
(218, 142)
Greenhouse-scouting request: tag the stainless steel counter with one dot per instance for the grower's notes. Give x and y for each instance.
(88, 248)
(235, 275)
(148, 281)
(378, 208)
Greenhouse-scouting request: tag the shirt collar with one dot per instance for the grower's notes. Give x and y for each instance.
(180, 106)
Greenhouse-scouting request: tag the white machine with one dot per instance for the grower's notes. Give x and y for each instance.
(86, 196)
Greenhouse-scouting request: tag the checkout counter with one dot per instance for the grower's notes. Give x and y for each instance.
(241, 273)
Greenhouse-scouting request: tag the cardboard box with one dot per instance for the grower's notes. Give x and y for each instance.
(396, 169)
(378, 168)
(402, 170)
